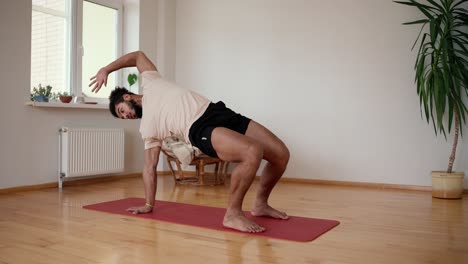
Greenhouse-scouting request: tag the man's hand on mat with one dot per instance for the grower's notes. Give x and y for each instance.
(140, 209)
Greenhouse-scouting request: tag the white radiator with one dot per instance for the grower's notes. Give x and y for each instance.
(90, 151)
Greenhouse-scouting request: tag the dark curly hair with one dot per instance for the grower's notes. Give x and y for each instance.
(116, 97)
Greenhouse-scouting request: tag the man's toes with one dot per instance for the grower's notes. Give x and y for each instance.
(260, 229)
(256, 228)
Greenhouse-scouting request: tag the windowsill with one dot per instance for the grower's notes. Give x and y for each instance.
(69, 105)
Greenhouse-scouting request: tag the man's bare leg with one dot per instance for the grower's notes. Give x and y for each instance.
(232, 146)
(277, 155)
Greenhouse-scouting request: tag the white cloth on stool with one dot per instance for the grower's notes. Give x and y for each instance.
(184, 152)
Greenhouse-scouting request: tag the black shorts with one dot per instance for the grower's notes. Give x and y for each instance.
(216, 115)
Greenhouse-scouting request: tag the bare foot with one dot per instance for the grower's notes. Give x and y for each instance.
(238, 221)
(266, 210)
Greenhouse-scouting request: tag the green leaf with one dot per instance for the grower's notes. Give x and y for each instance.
(132, 78)
(460, 44)
(430, 99)
(460, 13)
(436, 96)
(463, 71)
(450, 111)
(439, 7)
(404, 3)
(422, 21)
(435, 30)
(460, 36)
(460, 10)
(459, 3)
(423, 8)
(422, 50)
(423, 39)
(427, 100)
(461, 109)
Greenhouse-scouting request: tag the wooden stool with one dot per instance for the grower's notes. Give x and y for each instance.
(199, 163)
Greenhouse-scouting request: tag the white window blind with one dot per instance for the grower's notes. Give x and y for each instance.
(49, 44)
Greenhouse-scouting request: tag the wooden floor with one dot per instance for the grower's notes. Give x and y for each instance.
(377, 226)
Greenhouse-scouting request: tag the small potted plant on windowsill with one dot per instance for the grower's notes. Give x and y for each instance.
(442, 79)
(64, 97)
(41, 94)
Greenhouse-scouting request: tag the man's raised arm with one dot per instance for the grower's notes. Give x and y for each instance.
(137, 58)
(149, 180)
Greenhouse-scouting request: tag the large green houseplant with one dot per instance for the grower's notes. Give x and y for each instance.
(442, 78)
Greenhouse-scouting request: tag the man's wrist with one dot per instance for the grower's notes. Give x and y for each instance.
(106, 69)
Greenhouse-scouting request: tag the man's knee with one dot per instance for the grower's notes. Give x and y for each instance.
(282, 157)
(253, 153)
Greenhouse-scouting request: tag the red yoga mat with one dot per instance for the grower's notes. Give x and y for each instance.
(295, 228)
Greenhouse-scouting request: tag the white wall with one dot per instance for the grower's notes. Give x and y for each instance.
(157, 37)
(148, 28)
(131, 41)
(333, 79)
(166, 38)
(29, 136)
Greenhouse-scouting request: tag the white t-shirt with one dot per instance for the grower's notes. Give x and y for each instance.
(167, 108)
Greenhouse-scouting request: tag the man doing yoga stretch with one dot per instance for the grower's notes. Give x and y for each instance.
(165, 109)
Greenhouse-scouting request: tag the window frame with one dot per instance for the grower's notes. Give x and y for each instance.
(77, 49)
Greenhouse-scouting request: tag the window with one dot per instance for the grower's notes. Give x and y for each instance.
(71, 41)
(100, 44)
(50, 54)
